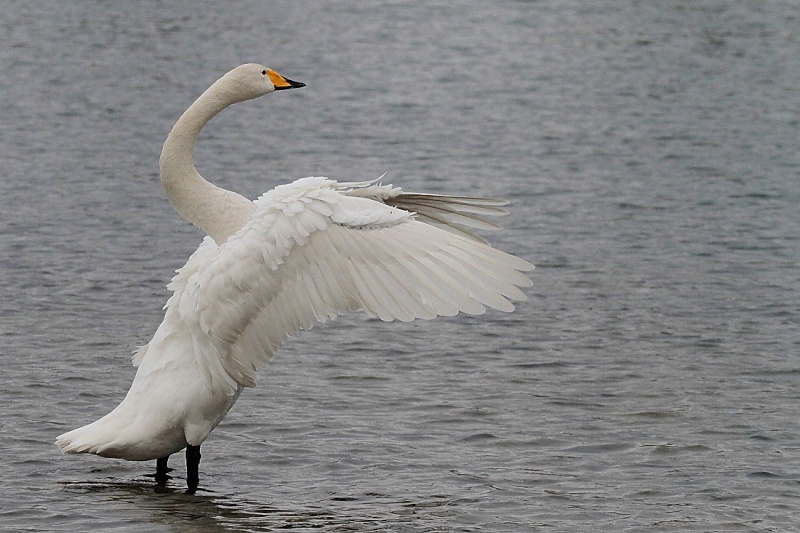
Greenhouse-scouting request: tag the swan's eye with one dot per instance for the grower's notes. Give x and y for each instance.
(263, 72)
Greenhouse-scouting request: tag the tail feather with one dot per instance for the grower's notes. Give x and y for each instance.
(97, 438)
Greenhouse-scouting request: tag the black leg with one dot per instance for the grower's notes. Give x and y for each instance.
(161, 471)
(192, 466)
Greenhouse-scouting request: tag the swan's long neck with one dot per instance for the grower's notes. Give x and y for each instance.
(218, 212)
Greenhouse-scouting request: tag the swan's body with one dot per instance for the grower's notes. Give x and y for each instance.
(301, 254)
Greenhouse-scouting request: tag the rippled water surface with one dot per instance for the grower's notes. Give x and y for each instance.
(649, 383)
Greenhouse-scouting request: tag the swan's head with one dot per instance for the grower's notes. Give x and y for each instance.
(249, 81)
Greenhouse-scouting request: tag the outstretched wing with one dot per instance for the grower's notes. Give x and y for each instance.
(311, 252)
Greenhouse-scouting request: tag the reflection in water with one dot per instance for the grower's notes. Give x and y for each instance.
(175, 510)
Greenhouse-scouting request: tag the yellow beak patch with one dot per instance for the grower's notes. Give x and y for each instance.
(277, 80)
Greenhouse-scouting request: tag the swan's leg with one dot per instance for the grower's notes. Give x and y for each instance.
(161, 471)
(192, 466)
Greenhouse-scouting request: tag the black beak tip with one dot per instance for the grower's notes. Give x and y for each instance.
(292, 85)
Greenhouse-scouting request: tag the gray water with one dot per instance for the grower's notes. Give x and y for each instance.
(650, 382)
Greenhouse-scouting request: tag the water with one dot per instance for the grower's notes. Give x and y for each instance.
(650, 382)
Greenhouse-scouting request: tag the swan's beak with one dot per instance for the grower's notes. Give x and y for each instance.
(283, 83)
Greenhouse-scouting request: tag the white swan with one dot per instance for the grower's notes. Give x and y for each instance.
(302, 253)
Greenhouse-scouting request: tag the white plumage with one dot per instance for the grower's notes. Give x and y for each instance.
(301, 254)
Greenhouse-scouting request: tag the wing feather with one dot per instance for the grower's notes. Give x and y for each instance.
(453, 213)
(313, 251)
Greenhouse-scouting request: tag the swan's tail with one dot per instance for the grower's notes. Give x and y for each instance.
(97, 438)
(115, 435)
(131, 431)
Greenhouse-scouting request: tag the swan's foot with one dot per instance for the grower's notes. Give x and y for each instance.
(162, 471)
(192, 467)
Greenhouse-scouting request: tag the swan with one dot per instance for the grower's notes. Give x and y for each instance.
(301, 254)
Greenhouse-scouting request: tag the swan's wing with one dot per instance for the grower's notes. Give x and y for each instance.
(311, 253)
(459, 214)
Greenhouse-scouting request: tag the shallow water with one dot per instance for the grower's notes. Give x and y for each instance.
(650, 382)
